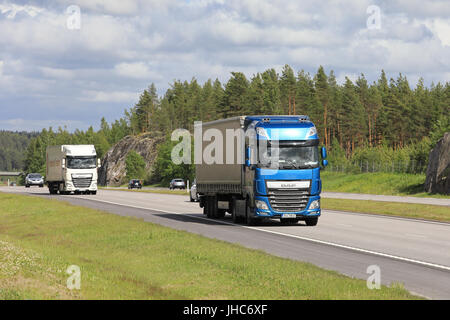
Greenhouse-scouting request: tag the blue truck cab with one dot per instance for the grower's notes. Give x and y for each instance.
(288, 186)
(279, 177)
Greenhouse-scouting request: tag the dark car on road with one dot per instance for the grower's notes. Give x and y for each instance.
(135, 184)
(177, 184)
(34, 179)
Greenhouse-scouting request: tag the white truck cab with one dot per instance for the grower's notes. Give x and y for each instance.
(72, 168)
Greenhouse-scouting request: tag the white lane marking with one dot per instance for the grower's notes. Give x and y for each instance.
(385, 255)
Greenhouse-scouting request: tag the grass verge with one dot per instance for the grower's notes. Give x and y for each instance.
(124, 258)
(397, 209)
(377, 183)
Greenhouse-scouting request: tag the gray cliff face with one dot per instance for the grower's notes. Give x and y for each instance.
(113, 170)
(438, 171)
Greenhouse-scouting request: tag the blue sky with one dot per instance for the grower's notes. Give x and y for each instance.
(52, 75)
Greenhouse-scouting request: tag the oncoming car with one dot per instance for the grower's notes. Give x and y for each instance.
(177, 184)
(34, 179)
(135, 184)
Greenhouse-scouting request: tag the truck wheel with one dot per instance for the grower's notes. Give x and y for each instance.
(311, 222)
(209, 206)
(234, 215)
(221, 213)
(213, 210)
(250, 220)
(205, 208)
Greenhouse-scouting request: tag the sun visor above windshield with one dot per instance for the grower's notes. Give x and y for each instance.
(297, 133)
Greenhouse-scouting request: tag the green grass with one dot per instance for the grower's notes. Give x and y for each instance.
(377, 183)
(125, 258)
(405, 210)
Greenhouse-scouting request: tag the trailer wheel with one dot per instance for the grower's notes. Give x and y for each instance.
(213, 211)
(209, 205)
(205, 208)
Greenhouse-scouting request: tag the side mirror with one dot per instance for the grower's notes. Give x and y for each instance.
(324, 153)
(248, 156)
(99, 163)
(63, 163)
(324, 163)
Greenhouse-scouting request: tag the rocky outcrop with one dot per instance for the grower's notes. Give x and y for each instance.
(438, 171)
(113, 170)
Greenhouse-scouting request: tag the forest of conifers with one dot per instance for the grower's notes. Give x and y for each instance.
(386, 112)
(353, 118)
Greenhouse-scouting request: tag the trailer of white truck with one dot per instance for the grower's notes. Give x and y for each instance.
(72, 169)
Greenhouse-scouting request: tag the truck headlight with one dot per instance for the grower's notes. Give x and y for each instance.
(314, 205)
(261, 205)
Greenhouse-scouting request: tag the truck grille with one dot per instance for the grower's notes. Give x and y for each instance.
(288, 200)
(82, 182)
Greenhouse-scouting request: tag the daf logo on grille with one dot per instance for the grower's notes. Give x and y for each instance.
(305, 184)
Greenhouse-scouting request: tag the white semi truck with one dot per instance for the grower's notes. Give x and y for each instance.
(72, 168)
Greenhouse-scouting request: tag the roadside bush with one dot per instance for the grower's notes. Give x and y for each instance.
(165, 170)
(410, 159)
(135, 166)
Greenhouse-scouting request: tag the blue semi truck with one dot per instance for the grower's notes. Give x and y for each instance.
(266, 167)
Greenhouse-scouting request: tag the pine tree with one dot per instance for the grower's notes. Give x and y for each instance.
(235, 98)
(288, 90)
(323, 95)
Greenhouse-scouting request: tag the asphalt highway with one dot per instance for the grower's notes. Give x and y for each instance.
(413, 252)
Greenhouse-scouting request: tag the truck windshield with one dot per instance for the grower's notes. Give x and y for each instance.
(81, 162)
(289, 157)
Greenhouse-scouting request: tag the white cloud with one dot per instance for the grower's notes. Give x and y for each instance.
(137, 70)
(11, 10)
(112, 96)
(57, 73)
(19, 124)
(441, 29)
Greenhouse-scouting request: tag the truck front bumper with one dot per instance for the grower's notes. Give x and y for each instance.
(274, 214)
(70, 187)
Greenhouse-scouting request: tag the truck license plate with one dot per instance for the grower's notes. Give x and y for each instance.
(289, 215)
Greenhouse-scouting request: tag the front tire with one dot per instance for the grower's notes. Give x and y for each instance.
(249, 219)
(311, 222)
